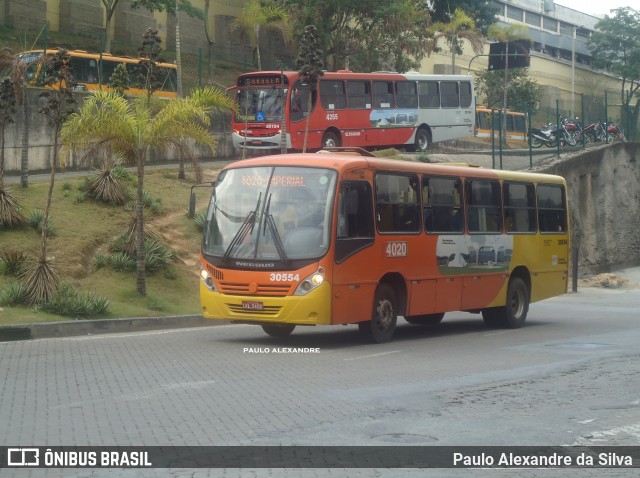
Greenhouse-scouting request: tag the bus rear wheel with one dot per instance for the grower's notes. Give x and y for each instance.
(384, 317)
(514, 313)
(278, 330)
(426, 319)
(330, 140)
(422, 141)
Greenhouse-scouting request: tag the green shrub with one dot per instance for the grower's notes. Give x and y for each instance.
(66, 186)
(157, 255)
(36, 219)
(121, 172)
(423, 158)
(122, 262)
(200, 217)
(69, 302)
(79, 197)
(13, 294)
(101, 260)
(13, 261)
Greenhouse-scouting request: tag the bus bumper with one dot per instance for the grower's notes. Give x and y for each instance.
(258, 142)
(311, 309)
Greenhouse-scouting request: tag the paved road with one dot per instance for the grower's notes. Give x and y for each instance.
(569, 377)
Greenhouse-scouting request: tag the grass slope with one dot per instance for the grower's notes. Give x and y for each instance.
(82, 230)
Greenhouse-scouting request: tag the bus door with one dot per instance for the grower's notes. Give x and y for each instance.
(353, 284)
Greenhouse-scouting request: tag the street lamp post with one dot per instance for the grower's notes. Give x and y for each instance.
(573, 71)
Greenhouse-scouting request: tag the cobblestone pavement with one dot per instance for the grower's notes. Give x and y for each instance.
(569, 377)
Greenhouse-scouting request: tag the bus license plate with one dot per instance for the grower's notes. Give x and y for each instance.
(256, 141)
(252, 305)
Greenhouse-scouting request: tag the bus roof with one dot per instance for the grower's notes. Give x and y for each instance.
(348, 74)
(344, 161)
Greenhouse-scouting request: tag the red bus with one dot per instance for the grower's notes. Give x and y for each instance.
(330, 238)
(366, 110)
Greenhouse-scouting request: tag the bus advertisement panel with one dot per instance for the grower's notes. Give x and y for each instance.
(336, 238)
(92, 71)
(352, 109)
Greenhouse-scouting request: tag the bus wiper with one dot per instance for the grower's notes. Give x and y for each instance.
(268, 222)
(245, 229)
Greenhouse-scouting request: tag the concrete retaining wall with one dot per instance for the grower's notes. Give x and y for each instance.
(41, 140)
(604, 195)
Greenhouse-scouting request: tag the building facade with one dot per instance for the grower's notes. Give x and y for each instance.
(560, 58)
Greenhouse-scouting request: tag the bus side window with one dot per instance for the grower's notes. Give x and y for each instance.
(552, 208)
(355, 219)
(355, 210)
(443, 210)
(383, 94)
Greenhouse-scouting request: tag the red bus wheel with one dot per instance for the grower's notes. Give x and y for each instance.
(330, 140)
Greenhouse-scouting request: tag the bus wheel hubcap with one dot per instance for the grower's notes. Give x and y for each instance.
(385, 314)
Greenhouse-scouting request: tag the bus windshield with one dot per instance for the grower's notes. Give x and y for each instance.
(260, 104)
(273, 214)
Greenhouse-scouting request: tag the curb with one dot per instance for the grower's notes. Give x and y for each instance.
(102, 326)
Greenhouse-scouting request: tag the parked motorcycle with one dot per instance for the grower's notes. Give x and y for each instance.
(575, 128)
(567, 136)
(615, 132)
(551, 134)
(547, 136)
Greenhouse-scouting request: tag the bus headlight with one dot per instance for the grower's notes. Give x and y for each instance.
(206, 279)
(314, 281)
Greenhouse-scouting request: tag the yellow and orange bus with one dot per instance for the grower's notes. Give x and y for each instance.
(516, 124)
(92, 71)
(345, 238)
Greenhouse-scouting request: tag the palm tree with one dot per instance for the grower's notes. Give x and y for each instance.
(254, 16)
(130, 130)
(41, 278)
(460, 27)
(10, 92)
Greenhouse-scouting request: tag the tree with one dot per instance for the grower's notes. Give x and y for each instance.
(615, 46)
(41, 279)
(10, 215)
(309, 64)
(11, 91)
(365, 36)
(459, 27)
(524, 93)
(255, 16)
(120, 79)
(483, 13)
(130, 130)
(109, 8)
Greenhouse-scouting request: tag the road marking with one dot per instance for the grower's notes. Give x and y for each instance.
(371, 356)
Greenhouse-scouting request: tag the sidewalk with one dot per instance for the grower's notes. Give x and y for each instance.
(74, 328)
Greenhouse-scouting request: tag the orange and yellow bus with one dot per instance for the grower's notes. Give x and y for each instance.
(372, 110)
(516, 124)
(92, 71)
(345, 238)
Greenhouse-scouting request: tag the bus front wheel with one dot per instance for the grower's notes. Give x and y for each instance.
(426, 319)
(278, 330)
(330, 140)
(513, 314)
(384, 317)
